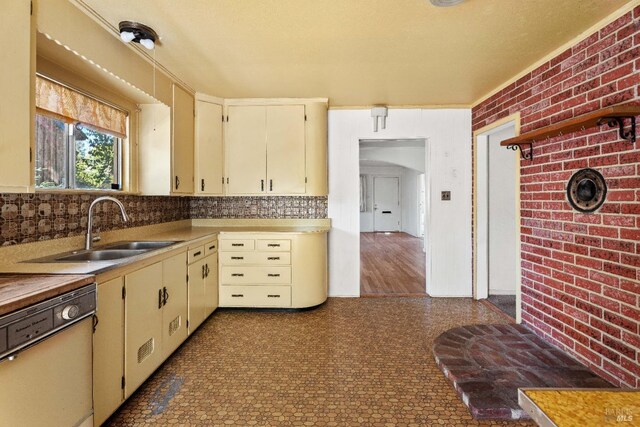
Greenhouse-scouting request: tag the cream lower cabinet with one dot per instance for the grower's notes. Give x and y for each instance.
(203, 283)
(108, 344)
(272, 269)
(155, 317)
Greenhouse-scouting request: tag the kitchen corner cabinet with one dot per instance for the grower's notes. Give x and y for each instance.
(284, 270)
(17, 85)
(155, 317)
(203, 282)
(182, 141)
(209, 159)
(108, 344)
(275, 147)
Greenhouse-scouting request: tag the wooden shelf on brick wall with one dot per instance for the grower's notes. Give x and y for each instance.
(611, 116)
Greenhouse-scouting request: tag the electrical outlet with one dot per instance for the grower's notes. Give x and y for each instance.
(446, 196)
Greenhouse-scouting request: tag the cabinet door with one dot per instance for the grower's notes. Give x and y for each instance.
(285, 149)
(196, 294)
(208, 155)
(17, 109)
(108, 348)
(245, 149)
(182, 141)
(143, 325)
(174, 313)
(211, 284)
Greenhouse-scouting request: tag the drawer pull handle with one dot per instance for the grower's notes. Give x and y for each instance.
(212, 247)
(273, 258)
(237, 295)
(273, 296)
(237, 244)
(273, 245)
(237, 257)
(273, 275)
(237, 274)
(197, 253)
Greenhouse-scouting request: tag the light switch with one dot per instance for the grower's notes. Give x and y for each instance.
(446, 195)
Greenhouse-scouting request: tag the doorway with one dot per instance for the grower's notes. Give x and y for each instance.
(497, 219)
(386, 203)
(393, 211)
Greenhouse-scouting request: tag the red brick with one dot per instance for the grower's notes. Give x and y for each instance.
(619, 373)
(619, 270)
(621, 296)
(588, 354)
(603, 231)
(624, 323)
(575, 335)
(604, 254)
(604, 351)
(605, 302)
(615, 25)
(619, 220)
(605, 327)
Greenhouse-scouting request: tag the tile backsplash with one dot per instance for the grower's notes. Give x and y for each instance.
(41, 216)
(259, 207)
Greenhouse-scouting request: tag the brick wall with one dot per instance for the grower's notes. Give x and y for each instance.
(581, 272)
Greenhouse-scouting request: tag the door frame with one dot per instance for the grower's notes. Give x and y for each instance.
(480, 211)
(427, 209)
(373, 198)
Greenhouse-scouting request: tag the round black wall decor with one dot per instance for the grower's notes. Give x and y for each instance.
(586, 190)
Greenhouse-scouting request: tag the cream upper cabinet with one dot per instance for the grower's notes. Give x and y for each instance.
(182, 141)
(209, 158)
(285, 149)
(245, 148)
(276, 147)
(17, 104)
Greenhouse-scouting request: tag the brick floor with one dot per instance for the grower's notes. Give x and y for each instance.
(488, 363)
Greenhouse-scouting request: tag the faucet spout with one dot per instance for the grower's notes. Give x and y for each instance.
(89, 237)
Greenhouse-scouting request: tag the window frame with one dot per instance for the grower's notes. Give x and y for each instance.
(120, 163)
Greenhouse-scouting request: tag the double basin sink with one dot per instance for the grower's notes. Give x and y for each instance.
(114, 251)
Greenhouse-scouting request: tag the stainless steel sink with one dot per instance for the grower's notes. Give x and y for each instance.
(145, 245)
(100, 255)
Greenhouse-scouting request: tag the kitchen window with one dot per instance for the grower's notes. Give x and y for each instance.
(78, 139)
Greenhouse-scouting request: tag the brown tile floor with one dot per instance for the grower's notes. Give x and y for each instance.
(351, 362)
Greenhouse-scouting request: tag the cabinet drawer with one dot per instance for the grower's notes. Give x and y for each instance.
(210, 247)
(237, 245)
(230, 275)
(255, 296)
(195, 254)
(262, 258)
(274, 245)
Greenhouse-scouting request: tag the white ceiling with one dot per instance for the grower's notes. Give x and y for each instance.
(356, 52)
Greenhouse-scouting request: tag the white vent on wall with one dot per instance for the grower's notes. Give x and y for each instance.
(145, 350)
(445, 3)
(175, 325)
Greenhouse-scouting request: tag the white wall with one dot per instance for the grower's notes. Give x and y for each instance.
(449, 168)
(409, 201)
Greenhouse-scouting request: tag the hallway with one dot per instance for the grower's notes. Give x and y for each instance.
(391, 264)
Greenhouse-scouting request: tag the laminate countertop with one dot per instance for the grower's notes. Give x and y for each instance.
(18, 291)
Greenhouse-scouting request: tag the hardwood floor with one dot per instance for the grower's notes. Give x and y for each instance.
(391, 265)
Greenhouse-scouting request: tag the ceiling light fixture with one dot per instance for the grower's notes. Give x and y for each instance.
(139, 33)
(445, 3)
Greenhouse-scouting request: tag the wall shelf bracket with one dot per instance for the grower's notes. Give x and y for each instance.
(629, 135)
(525, 155)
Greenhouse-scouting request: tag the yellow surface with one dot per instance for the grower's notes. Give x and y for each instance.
(588, 407)
(401, 52)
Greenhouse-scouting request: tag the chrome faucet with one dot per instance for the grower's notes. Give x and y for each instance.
(89, 240)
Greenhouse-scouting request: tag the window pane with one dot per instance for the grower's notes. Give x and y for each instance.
(94, 162)
(51, 152)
